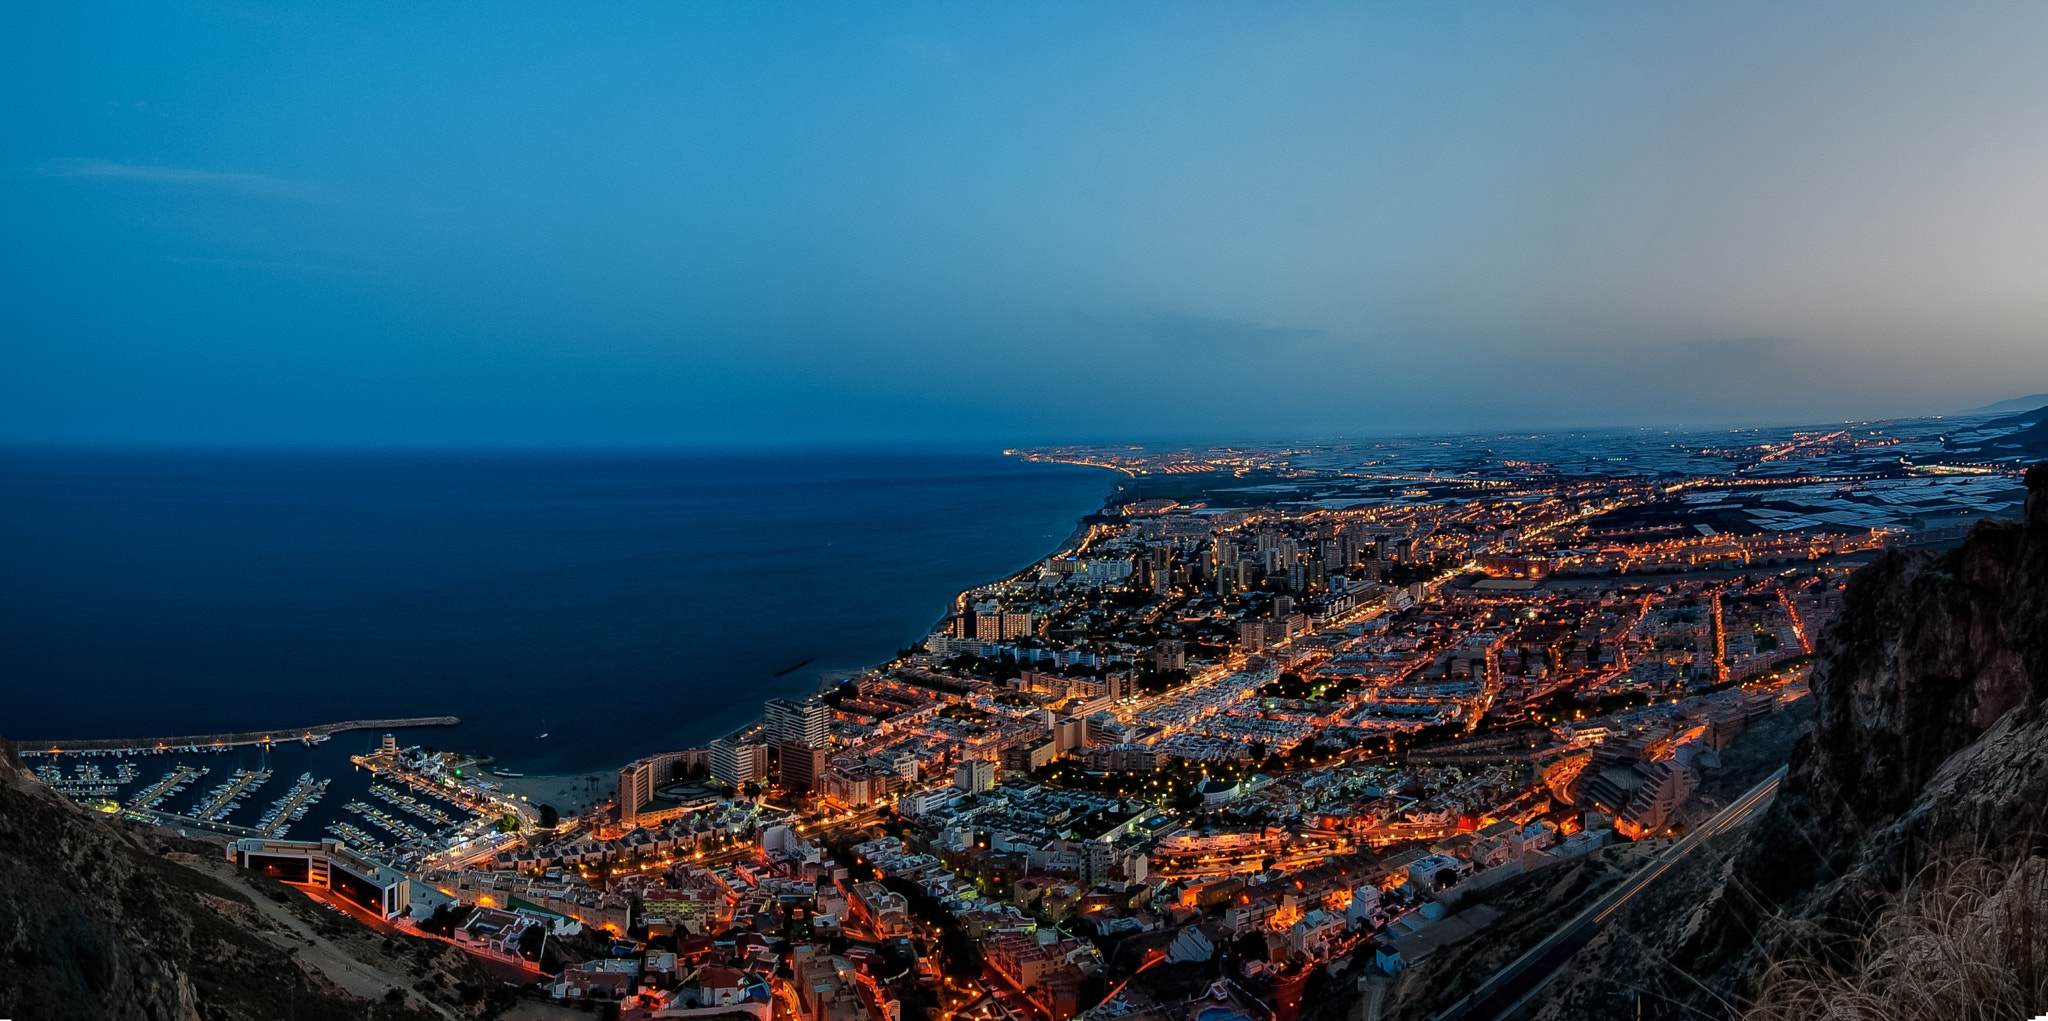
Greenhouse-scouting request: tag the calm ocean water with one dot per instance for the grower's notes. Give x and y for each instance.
(620, 604)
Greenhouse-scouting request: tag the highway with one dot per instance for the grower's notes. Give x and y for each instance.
(1511, 987)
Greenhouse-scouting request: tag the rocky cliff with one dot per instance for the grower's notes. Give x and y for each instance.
(98, 921)
(1929, 751)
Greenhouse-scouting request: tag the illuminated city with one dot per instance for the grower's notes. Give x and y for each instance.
(1136, 511)
(1269, 715)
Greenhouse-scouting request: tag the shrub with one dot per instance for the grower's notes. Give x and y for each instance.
(1965, 940)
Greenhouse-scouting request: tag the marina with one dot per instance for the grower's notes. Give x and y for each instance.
(359, 841)
(411, 804)
(341, 789)
(399, 827)
(307, 792)
(87, 779)
(180, 822)
(464, 798)
(172, 782)
(222, 801)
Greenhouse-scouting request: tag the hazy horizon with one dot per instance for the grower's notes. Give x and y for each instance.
(738, 447)
(798, 226)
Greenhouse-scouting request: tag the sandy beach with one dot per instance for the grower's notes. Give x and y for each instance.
(570, 793)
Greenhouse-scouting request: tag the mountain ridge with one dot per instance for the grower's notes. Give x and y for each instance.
(2006, 407)
(1929, 746)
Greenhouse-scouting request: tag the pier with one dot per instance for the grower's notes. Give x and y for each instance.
(412, 804)
(292, 807)
(404, 830)
(357, 840)
(223, 742)
(172, 782)
(219, 803)
(87, 780)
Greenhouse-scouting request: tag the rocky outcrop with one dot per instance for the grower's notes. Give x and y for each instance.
(96, 923)
(1929, 654)
(1929, 743)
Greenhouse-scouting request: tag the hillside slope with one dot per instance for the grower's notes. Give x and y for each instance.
(1929, 748)
(95, 922)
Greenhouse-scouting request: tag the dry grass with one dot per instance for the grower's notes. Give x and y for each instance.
(1965, 940)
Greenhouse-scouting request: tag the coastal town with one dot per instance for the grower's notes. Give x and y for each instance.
(1219, 750)
(1062, 511)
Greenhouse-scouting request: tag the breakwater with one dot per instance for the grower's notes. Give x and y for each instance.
(221, 742)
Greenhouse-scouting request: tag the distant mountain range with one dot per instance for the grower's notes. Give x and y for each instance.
(2009, 407)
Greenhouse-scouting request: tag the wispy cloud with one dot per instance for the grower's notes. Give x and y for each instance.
(246, 184)
(1744, 348)
(1190, 330)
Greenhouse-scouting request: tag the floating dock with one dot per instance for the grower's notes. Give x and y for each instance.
(172, 782)
(412, 804)
(292, 807)
(87, 779)
(220, 802)
(357, 840)
(404, 830)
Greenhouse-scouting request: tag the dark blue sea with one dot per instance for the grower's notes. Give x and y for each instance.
(619, 604)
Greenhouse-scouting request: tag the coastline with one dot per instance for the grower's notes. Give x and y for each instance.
(874, 543)
(569, 793)
(831, 676)
(573, 793)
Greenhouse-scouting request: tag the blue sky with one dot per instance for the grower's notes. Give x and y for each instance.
(716, 224)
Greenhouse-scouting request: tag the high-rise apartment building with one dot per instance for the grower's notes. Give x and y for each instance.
(799, 765)
(638, 780)
(738, 764)
(1161, 562)
(1251, 635)
(636, 788)
(806, 721)
(975, 776)
(988, 627)
(1169, 655)
(1225, 551)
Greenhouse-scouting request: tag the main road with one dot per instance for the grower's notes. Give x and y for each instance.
(1515, 985)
